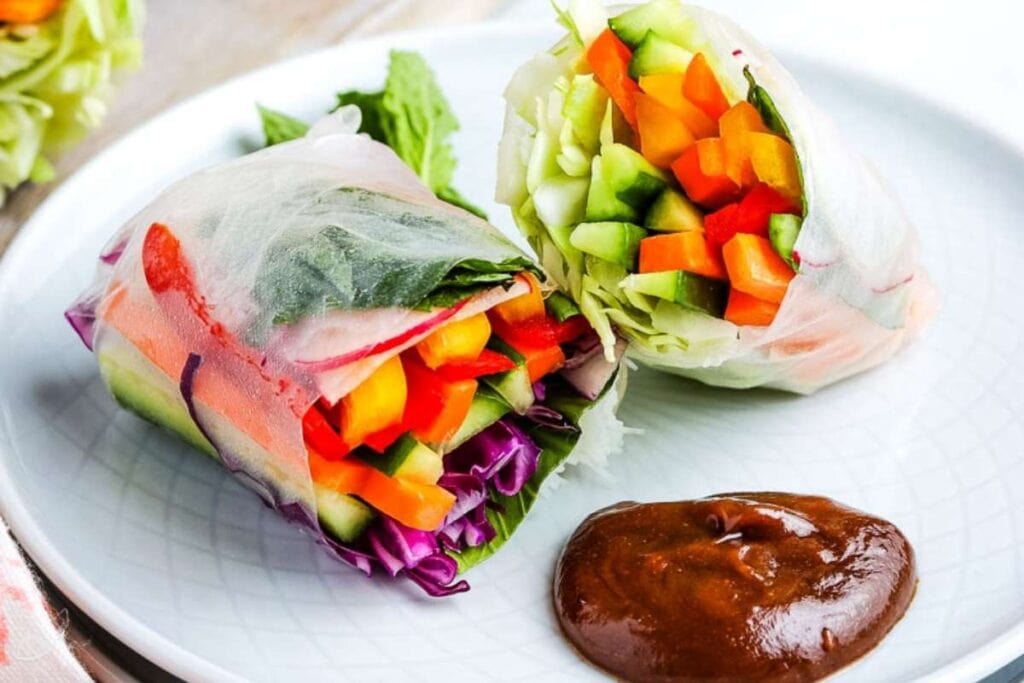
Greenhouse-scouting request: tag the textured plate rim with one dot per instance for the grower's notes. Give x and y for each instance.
(178, 660)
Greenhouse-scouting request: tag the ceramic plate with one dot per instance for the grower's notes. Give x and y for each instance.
(173, 557)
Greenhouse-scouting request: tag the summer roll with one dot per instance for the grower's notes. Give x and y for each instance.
(382, 367)
(673, 178)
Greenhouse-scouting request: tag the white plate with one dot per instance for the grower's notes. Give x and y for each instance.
(173, 557)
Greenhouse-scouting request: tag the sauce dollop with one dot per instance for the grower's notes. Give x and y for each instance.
(735, 587)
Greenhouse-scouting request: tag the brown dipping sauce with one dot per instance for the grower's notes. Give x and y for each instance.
(736, 587)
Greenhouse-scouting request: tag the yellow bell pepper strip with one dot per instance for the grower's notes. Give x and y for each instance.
(687, 251)
(755, 269)
(456, 342)
(701, 170)
(734, 126)
(774, 162)
(668, 89)
(609, 58)
(27, 11)
(744, 309)
(663, 135)
(374, 405)
(741, 118)
(702, 88)
(524, 306)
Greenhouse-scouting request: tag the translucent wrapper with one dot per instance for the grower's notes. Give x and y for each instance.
(860, 293)
(247, 292)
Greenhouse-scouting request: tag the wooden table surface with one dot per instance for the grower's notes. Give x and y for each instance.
(192, 45)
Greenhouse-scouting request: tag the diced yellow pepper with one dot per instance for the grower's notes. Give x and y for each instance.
(374, 405)
(524, 307)
(460, 341)
(774, 163)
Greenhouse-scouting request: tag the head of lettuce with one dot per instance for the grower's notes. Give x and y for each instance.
(57, 61)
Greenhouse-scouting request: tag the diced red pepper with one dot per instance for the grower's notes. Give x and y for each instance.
(571, 329)
(487, 363)
(750, 215)
(435, 408)
(321, 436)
(383, 439)
(535, 333)
(609, 58)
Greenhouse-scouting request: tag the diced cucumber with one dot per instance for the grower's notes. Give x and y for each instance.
(698, 331)
(514, 386)
(686, 289)
(617, 242)
(783, 229)
(602, 202)
(673, 212)
(622, 185)
(342, 515)
(487, 408)
(561, 201)
(667, 17)
(585, 105)
(656, 55)
(408, 459)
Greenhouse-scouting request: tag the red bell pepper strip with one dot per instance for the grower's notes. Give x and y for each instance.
(487, 363)
(571, 329)
(383, 439)
(609, 58)
(750, 215)
(321, 436)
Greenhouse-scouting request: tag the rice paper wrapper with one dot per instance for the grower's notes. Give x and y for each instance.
(860, 293)
(308, 259)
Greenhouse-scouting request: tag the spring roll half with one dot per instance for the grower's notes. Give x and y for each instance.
(382, 367)
(673, 178)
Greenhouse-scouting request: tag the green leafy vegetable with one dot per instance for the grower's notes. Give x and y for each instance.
(765, 106)
(355, 249)
(55, 78)
(410, 115)
(279, 127)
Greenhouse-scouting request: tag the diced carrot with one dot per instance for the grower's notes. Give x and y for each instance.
(27, 11)
(663, 135)
(543, 361)
(344, 476)
(523, 307)
(374, 405)
(754, 268)
(456, 398)
(774, 162)
(701, 170)
(744, 309)
(702, 88)
(456, 342)
(668, 89)
(414, 504)
(609, 58)
(687, 251)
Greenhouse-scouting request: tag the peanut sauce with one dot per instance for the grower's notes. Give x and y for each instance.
(735, 587)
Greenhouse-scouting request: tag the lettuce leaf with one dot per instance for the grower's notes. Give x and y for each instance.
(410, 115)
(55, 78)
